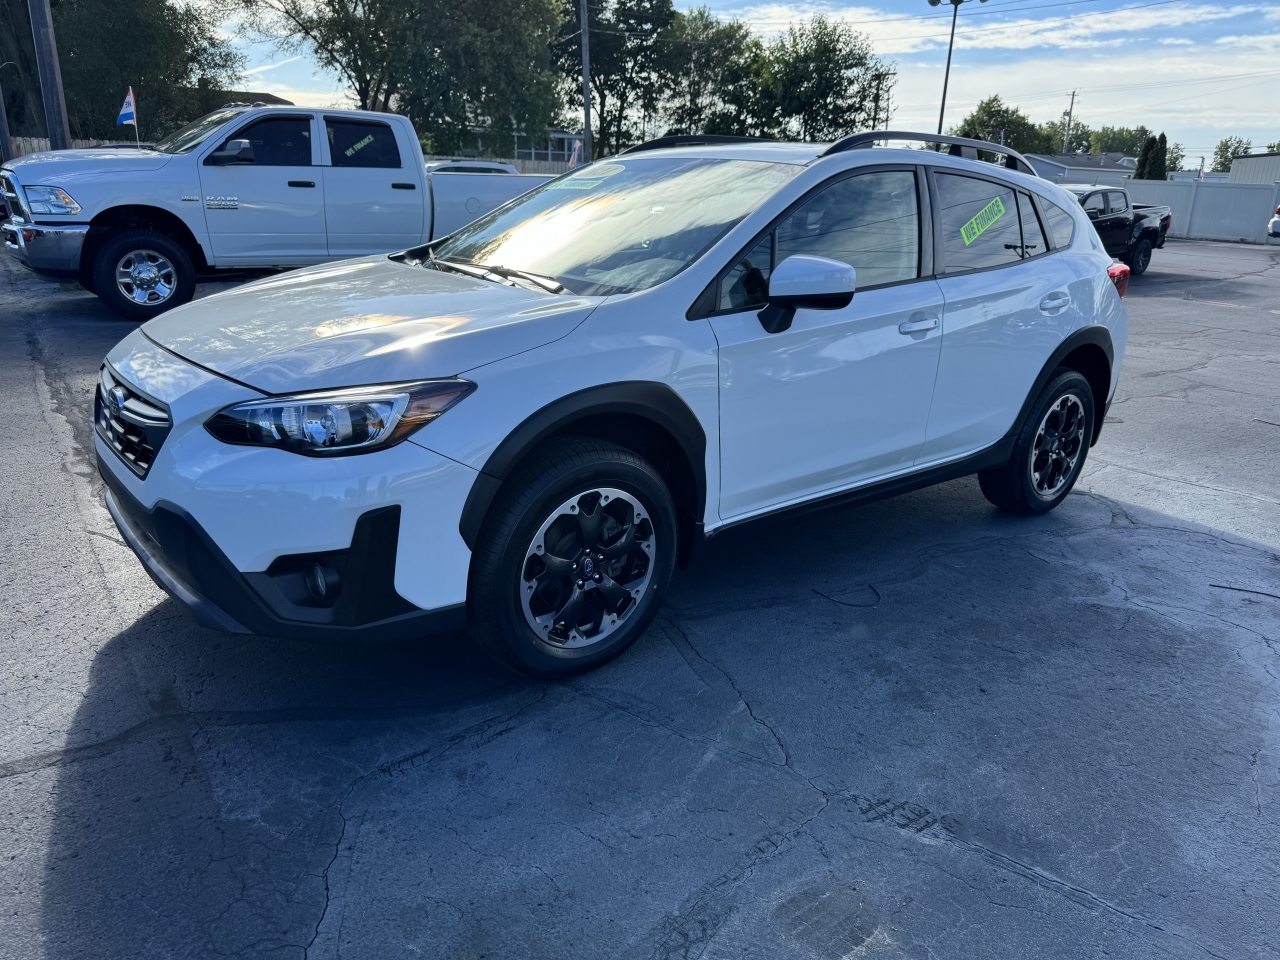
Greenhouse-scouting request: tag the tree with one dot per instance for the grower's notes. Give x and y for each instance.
(1159, 166)
(1177, 154)
(479, 69)
(827, 81)
(710, 71)
(997, 122)
(1126, 140)
(1077, 139)
(1227, 150)
(627, 77)
(169, 52)
(1145, 157)
(1273, 147)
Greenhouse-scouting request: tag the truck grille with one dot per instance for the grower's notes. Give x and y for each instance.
(9, 200)
(133, 426)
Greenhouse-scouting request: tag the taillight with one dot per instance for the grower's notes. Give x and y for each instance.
(1278, 211)
(1119, 274)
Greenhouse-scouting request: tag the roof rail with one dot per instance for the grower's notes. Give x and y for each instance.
(691, 140)
(959, 146)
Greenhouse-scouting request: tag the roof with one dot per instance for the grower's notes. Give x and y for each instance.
(250, 97)
(765, 150)
(1088, 161)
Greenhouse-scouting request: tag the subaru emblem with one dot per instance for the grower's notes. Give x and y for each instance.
(115, 400)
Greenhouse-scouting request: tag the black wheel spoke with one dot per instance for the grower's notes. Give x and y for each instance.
(568, 614)
(615, 594)
(589, 526)
(556, 568)
(626, 543)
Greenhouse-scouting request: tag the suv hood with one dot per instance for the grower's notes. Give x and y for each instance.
(52, 166)
(365, 321)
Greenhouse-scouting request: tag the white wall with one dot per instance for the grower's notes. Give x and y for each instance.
(1212, 211)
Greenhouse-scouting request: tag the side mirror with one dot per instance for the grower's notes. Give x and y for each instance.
(235, 151)
(806, 283)
(1093, 214)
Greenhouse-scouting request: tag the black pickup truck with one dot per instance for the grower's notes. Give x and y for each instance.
(1129, 231)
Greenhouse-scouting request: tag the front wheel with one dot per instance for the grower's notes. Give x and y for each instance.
(1140, 259)
(573, 561)
(140, 274)
(1050, 451)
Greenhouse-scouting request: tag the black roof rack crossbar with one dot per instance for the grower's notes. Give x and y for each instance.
(958, 146)
(692, 140)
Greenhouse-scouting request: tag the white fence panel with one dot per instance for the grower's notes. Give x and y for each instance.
(1178, 196)
(1212, 211)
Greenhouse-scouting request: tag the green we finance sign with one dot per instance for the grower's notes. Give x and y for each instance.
(979, 225)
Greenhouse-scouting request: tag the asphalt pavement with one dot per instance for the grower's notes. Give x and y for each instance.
(917, 729)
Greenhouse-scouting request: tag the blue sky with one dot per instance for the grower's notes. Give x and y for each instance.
(1199, 70)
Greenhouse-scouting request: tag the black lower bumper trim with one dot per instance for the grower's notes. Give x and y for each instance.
(181, 557)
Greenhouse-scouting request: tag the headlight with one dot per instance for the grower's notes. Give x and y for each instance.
(336, 422)
(50, 200)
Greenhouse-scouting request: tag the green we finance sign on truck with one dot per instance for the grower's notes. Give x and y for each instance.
(984, 218)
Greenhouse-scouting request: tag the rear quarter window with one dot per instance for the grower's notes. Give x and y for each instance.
(979, 223)
(362, 143)
(1060, 224)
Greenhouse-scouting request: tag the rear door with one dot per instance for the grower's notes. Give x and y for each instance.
(843, 395)
(375, 195)
(1116, 225)
(268, 211)
(1009, 302)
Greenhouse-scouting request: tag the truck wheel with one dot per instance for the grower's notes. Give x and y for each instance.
(1050, 451)
(1140, 259)
(139, 274)
(573, 561)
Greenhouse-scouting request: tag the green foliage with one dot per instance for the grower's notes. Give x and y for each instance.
(713, 74)
(1145, 157)
(1158, 168)
(1228, 149)
(1273, 147)
(1173, 162)
(1126, 140)
(1077, 139)
(169, 52)
(997, 122)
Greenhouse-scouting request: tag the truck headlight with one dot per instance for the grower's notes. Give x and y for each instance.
(337, 422)
(50, 200)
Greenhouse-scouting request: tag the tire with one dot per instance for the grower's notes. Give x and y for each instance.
(553, 620)
(1050, 450)
(139, 274)
(1140, 258)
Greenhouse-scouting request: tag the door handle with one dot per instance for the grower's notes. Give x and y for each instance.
(302, 183)
(404, 186)
(918, 326)
(1055, 301)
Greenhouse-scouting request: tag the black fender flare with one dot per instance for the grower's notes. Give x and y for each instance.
(650, 400)
(1092, 335)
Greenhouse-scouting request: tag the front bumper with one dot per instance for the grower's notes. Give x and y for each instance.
(1273, 228)
(51, 251)
(185, 562)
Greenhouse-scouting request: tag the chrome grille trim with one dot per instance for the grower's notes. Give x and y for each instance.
(129, 422)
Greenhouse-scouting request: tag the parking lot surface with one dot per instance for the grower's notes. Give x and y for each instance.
(917, 729)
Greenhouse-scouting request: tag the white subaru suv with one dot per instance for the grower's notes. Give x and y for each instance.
(526, 426)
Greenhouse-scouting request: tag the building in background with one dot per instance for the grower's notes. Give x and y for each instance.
(1256, 168)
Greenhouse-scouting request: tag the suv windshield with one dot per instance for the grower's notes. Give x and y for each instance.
(619, 225)
(196, 132)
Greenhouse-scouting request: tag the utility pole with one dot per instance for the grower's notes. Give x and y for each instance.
(946, 79)
(6, 146)
(1069, 115)
(55, 104)
(587, 154)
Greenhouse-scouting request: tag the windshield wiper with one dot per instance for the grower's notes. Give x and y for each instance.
(470, 270)
(550, 284)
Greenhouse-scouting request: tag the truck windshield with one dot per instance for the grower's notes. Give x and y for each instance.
(619, 225)
(196, 132)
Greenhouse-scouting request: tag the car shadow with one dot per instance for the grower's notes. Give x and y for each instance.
(213, 789)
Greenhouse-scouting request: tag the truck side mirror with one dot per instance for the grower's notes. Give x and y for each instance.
(806, 283)
(235, 151)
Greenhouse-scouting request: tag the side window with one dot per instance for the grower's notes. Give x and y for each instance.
(871, 222)
(1033, 241)
(747, 284)
(1094, 205)
(1061, 226)
(278, 142)
(362, 143)
(979, 223)
(1116, 203)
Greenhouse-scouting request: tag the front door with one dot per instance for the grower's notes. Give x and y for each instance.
(268, 211)
(843, 395)
(1009, 304)
(374, 203)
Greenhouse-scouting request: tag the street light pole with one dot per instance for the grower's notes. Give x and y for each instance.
(946, 78)
(587, 155)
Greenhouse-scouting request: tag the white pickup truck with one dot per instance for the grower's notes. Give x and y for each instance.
(244, 187)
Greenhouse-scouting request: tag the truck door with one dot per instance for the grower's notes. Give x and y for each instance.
(267, 211)
(374, 202)
(1116, 226)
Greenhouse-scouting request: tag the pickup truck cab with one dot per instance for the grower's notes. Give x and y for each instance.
(1129, 231)
(240, 188)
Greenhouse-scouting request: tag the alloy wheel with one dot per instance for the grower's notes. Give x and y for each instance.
(146, 277)
(1060, 440)
(587, 568)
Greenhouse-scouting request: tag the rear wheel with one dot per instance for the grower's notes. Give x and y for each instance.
(1140, 259)
(571, 564)
(1050, 451)
(140, 274)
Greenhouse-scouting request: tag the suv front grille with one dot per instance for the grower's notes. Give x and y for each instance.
(132, 425)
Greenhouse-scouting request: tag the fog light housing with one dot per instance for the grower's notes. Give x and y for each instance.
(323, 582)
